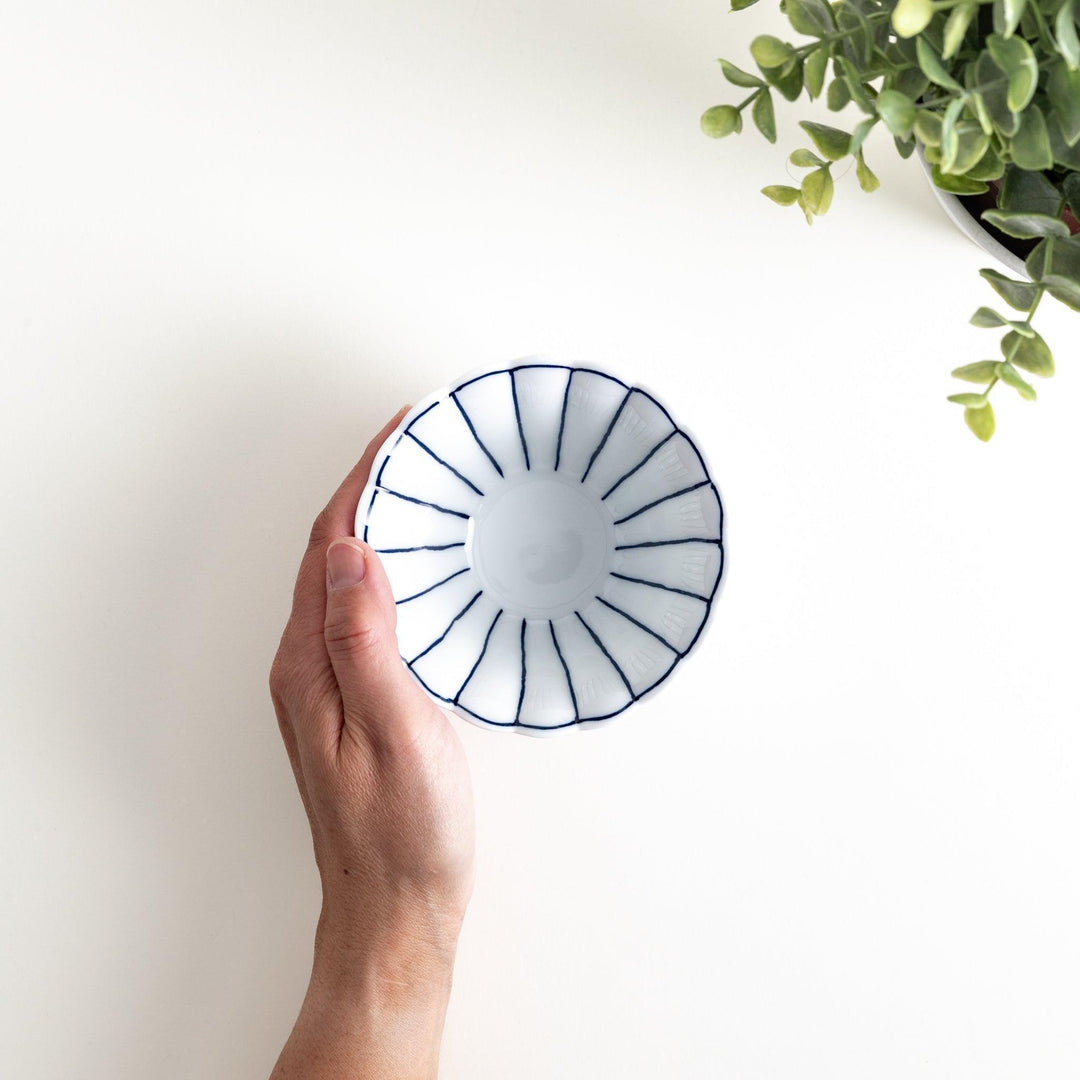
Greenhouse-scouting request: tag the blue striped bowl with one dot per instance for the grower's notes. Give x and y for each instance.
(553, 540)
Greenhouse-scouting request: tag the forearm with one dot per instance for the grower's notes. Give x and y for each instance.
(337, 1038)
(372, 1012)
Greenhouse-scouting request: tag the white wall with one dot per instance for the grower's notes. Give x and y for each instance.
(233, 239)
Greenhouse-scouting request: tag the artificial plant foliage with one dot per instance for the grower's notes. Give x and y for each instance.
(990, 92)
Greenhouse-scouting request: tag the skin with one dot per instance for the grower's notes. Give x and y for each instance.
(386, 787)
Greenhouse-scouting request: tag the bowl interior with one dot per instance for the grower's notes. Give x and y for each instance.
(553, 541)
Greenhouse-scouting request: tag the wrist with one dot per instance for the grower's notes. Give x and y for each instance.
(402, 958)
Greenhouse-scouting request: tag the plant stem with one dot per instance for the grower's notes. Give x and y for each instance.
(839, 35)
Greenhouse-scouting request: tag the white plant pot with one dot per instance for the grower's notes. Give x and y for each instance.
(970, 226)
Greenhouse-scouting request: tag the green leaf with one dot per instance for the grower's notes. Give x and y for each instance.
(858, 136)
(830, 141)
(867, 180)
(1030, 353)
(911, 82)
(957, 185)
(1064, 289)
(1017, 294)
(805, 159)
(898, 112)
(788, 78)
(858, 37)
(928, 127)
(977, 105)
(1024, 192)
(817, 190)
(972, 143)
(956, 27)
(1067, 38)
(995, 94)
(1038, 261)
(763, 115)
(1031, 144)
(910, 17)
(803, 207)
(985, 371)
(1065, 156)
(720, 120)
(988, 167)
(807, 18)
(741, 5)
(950, 137)
(1015, 57)
(904, 147)
(738, 77)
(838, 95)
(1011, 377)
(1063, 90)
(781, 193)
(932, 67)
(981, 421)
(814, 71)
(770, 52)
(860, 94)
(1025, 226)
(987, 317)
(969, 401)
(1011, 10)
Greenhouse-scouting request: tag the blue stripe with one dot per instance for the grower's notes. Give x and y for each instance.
(657, 502)
(667, 543)
(449, 627)
(562, 421)
(420, 416)
(424, 502)
(479, 442)
(520, 426)
(521, 696)
(472, 671)
(423, 547)
(642, 462)
(639, 625)
(603, 649)
(566, 670)
(424, 446)
(657, 585)
(604, 439)
(431, 588)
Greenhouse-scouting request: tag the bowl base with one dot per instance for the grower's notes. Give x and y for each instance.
(541, 543)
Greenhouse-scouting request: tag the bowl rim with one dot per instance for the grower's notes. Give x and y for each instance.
(364, 504)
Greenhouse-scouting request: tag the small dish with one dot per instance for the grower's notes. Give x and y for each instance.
(553, 540)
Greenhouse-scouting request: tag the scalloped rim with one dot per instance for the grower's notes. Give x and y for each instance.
(364, 506)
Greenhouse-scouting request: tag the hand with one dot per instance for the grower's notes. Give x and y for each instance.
(385, 784)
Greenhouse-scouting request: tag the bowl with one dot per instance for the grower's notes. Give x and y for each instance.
(553, 540)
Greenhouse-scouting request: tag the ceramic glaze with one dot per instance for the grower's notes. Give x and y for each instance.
(553, 540)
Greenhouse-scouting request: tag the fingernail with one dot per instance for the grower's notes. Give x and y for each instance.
(344, 564)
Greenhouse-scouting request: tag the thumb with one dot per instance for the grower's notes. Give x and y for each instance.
(360, 638)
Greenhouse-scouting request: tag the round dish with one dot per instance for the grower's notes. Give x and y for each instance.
(553, 540)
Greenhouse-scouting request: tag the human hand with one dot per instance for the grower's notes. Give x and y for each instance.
(385, 784)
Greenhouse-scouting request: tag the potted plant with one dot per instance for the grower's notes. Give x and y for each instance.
(988, 91)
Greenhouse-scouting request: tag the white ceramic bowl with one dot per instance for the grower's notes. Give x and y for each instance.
(553, 540)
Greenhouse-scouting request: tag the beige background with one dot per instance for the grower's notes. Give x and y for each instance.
(234, 237)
